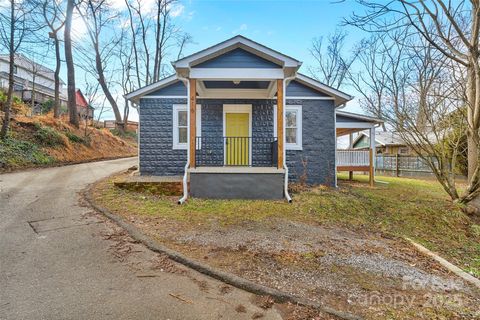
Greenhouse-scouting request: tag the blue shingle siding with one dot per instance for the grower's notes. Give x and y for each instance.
(174, 89)
(156, 139)
(296, 89)
(316, 160)
(237, 58)
(212, 133)
(212, 130)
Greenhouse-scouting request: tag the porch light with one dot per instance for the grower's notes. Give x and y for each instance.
(236, 82)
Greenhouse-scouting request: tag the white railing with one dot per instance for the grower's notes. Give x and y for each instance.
(353, 157)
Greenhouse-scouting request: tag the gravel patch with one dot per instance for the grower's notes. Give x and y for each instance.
(412, 277)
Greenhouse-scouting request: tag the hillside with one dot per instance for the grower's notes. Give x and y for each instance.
(45, 141)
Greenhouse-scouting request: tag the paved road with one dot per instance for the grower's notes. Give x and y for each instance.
(58, 260)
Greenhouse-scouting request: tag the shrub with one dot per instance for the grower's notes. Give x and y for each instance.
(48, 137)
(125, 134)
(75, 138)
(47, 106)
(16, 153)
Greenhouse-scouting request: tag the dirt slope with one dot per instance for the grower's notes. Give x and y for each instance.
(45, 141)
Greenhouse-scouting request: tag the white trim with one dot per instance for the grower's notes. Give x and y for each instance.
(290, 146)
(360, 134)
(335, 161)
(234, 94)
(310, 98)
(359, 116)
(323, 87)
(163, 97)
(236, 73)
(182, 107)
(231, 44)
(152, 87)
(237, 108)
(354, 125)
(372, 146)
(272, 89)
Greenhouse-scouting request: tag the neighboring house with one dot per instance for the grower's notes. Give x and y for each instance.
(33, 82)
(84, 109)
(387, 143)
(237, 120)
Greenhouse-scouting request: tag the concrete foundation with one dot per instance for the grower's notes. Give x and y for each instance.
(237, 184)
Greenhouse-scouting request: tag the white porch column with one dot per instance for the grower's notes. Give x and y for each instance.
(350, 146)
(372, 155)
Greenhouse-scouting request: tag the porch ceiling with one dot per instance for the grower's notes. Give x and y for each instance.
(236, 84)
(346, 131)
(236, 89)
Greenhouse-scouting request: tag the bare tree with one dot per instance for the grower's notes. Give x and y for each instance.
(331, 63)
(71, 104)
(54, 19)
(98, 17)
(370, 80)
(453, 29)
(149, 60)
(430, 92)
(14, 27)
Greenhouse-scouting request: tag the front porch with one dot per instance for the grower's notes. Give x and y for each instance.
(356, 160)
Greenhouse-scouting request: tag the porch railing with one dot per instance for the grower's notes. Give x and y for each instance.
(353, 158)
(235, 151)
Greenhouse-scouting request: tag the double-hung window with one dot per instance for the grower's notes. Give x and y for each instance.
(180, 125)
(293, 126)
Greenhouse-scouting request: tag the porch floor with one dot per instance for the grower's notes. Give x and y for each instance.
(231, 169)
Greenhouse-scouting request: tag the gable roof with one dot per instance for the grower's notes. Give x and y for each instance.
(135, 95)
(360, 117)
(339, 96)
(234, 43)
(80, 99)
(383, 138)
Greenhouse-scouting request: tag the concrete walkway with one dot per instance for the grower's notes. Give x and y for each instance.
(59, 260)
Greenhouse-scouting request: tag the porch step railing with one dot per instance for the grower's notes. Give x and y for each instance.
(235, 151)
(353, 158)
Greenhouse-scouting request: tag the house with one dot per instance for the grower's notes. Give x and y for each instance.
(386, 143)
(237, 120)
(33, 82)
(84, 109)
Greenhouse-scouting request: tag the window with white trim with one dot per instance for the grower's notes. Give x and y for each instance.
(180, 125)
(293, 126)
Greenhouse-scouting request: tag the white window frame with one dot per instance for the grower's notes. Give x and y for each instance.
(298, 109)
(176, 145)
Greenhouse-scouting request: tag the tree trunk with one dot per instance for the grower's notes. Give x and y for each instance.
(126, 112)
(58, 63)
(473, 121)
(6, 120)
(72, 105)
(32, 95)
(106, 90)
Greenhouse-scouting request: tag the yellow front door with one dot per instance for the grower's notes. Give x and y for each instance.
(237, 141)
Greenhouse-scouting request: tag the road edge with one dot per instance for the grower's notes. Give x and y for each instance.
(225, 277)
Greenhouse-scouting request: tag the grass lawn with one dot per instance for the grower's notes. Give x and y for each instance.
(414, 208)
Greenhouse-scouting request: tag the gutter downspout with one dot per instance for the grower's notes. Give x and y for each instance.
(285, 187)
(185, 175)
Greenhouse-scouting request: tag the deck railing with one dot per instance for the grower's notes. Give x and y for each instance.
(235, 151)
(353, 158)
